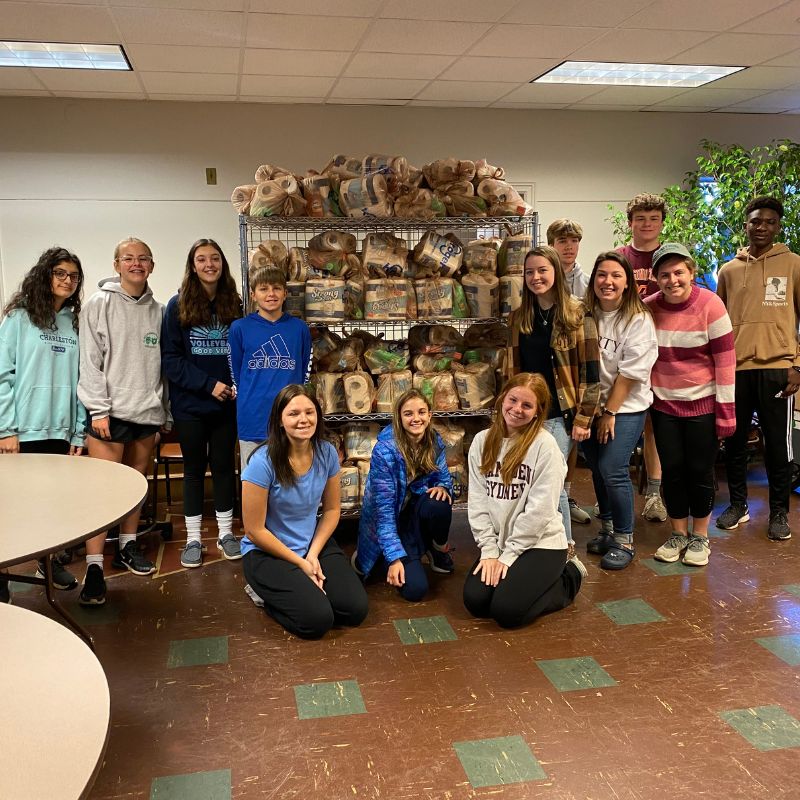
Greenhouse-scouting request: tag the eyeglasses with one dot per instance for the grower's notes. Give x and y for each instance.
(63, 275)
(128, 260)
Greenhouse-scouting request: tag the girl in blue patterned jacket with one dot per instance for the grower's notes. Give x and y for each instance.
(407, 501)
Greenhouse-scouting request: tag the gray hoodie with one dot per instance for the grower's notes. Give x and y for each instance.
(120, 373)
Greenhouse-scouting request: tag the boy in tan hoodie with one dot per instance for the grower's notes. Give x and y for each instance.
(761, 290)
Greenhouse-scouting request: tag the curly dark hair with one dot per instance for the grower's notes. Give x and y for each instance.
(764, 201)
(193, 308)
(35, 294)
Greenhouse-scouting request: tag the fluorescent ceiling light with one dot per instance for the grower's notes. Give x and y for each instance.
(63, 56)
(609, 74)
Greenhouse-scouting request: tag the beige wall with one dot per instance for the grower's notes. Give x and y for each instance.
(86, 173)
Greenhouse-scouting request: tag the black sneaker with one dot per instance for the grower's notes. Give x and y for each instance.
(5, 592)
(779, 529)
(441, 560)
(62, 578)
(131, 559)
(730, 518)
(94, 587)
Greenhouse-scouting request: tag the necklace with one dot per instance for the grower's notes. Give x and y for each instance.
(544, 316)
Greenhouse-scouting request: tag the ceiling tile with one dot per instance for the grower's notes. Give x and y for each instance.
(385, 88)
(543, 106)
(588, 106)
(45, 22)
(710, 96)
(448, 10)
(639, 46)
(104, 95)
(576, 12)
(761, 78)
(396, 65)
(293, 62)
(364, 101)
(536, 41)
(633, 95)
(284, 100)
(188, 83)
(322, 8)
(479, 91)
(791, 59)
(516, 70)
(19, 78)
(680, 109)
(551, 93)
(771, 103)
(449, 103)
(195, 5)
(88, 80)
(195, 98)
(284, 86)
(432, 38)
(156, 58)
(168, 26)
(690, 15)
(737, 49)
(290, 32)
(779, 20)
(24, 93)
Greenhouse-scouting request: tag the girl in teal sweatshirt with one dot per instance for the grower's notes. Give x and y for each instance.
(39, 407)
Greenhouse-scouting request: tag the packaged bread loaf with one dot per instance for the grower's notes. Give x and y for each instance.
(391, 386)
(385, 299)
(486, 334)
(384, 255)
(349, 478)
(434, 363)
(363, 472)
(269, 172)
(278, 198)
(445, 171)
(334, 252)
(438, 388)
(320, 196)
(459, 200)
(343, 167)
(299, 264)
(345, 357)
(365, 197)
(393, 168)
(354, 298)
(460, 305)
(435, 339)
(434, 298)
(453, 437)
(510, 293)
(458, 475)
(413, 202)
(483, 169)
(324, 300)
(495, 357)
(323, 340)
(511, 256)
(330, 392)
(475, 384)
(502, 199)
(480, 255)
(359, 439)
(439, 253)
(358, 392)
(295, 303)
(483, 294)
(242, 197)
(383, 356)
(270, 253)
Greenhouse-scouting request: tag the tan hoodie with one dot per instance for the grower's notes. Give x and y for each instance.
(762, 296)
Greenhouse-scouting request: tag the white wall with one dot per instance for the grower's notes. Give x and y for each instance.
(86, 173)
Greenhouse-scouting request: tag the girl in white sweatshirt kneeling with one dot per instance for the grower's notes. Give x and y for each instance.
(516, 473)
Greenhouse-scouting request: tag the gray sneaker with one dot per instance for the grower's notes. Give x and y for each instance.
(697, 552)
(779, 529)
(192, 555)
(251, 593)
(730, 518)
(671, 549)
(577, 514)
(228, 545)
(579, 565)
(62, 578)
(654, 509)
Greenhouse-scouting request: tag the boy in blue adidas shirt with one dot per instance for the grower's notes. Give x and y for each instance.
(268, 350)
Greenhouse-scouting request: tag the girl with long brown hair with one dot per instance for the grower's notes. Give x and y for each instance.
(406, 511)
(553, 334)
(516, 476)
(194, 351)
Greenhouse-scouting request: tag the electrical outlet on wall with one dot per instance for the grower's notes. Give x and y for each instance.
(211, 176)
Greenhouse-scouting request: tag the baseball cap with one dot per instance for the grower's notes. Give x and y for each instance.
(669, 249)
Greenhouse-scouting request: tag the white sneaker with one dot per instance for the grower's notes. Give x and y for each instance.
(672, 549)
(654, 509)
(697, 552)
(250, 592)
(579, 565)
(577, 514)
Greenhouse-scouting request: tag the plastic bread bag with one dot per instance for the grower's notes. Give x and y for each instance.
(434, 363)
(384, 255)
(343, 167)
(383, 357)
(386, 299)
(278, 198)
(299, 264)
(349, 479)
(324, 300)
(483, 294)
(323, 340)
(242, 196)
(460, 479)
(331, 251)
(344, 358)
(511, 256)
(429, 339)
(434, 298)
(269, 172)
(359, 439)
(359, 392)
(511, 288)
(453, 437)
(330, 392)
(460, 305)
(483, 169)
(271, 253)
(354, 299)
(439, 389)
(480, 255)
(393, 168)
(413, 202)
(320, 196)
(391, 385)
(486, 334)
(475, 384)
(441, 253)
(502, 198)
(295, 304)
(448, 170)
(366, 197)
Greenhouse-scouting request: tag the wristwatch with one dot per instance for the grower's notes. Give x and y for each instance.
(609, 412)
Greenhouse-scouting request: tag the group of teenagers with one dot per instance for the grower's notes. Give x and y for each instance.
(590, 362)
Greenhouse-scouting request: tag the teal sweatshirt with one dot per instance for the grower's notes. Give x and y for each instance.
(39, 380)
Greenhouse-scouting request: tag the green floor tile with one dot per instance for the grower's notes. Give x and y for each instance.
(196, 652)
(424, 630)
(717, 533)
(676, 568)
(333, 699)
(765, 727)
(569, 674)
(787, 647)
(792, 588)
(494, 762)
(22, 588)
(214, 785)
(630, 612)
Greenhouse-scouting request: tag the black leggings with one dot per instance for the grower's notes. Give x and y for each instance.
(687, 447)
(293, 600)
(538, 582)
(209, 440)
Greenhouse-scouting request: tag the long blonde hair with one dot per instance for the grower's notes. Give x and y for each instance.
(523, 441)
(420, 457)
(568, 313)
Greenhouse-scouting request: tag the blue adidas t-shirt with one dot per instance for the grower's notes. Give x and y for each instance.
(292, 510)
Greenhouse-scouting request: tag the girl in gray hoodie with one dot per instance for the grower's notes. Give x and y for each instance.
(122, 388)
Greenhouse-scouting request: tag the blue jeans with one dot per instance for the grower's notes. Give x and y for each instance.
(610, 465)
(558, 429)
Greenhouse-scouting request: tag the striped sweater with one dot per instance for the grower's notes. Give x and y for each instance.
(695, 372)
